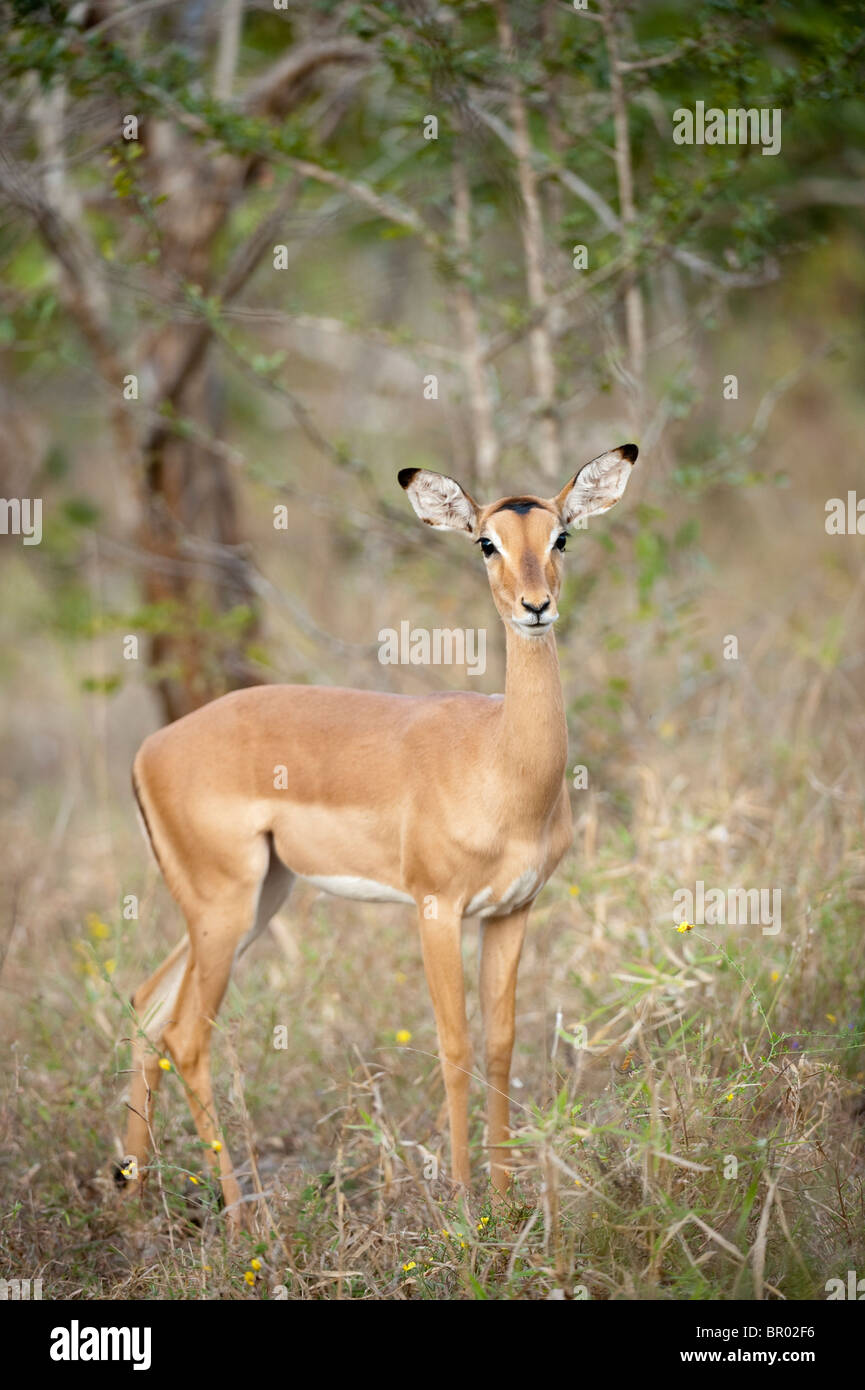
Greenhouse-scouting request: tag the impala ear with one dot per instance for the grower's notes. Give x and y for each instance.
(598, 485)
(439, 501)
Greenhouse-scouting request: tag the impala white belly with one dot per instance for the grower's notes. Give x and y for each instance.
(366, 890)
(484, 904)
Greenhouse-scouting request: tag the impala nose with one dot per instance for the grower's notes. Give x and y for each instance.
(536, 608)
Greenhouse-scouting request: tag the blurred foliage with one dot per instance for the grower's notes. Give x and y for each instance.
(744, 217)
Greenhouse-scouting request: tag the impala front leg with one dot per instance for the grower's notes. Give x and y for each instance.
(443, 964)
(501, 944)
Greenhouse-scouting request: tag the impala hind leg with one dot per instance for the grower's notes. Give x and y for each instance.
(443, 964)
(501, 944)
(177, 1017)
(177, 1007)
(218, 933)
(188, 1040)
(153, 1004)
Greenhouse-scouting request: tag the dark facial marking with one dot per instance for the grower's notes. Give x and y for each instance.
(520, 505)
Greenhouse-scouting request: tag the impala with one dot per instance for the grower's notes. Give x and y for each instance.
(454, 802)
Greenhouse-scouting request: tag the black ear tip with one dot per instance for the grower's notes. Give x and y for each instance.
(405, 475)
(629, 452)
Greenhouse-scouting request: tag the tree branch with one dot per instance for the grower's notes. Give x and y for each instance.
(229, 44)
(80, 283)
(486, 446)
(242, 265)
(383, 205)
(606, 215)
(642, 64)
(273, 93)
(634, 313)
(531, 224)
(841, 193)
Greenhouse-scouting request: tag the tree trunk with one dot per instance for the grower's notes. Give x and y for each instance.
(188, 494)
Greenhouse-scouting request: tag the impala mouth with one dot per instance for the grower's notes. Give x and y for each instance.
(534, 627)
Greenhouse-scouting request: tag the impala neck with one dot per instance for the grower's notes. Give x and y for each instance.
(534, 733)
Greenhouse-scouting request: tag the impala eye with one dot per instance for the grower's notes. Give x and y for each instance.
(562, 541)
(487, 547)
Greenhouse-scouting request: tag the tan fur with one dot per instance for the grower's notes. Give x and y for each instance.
(452, 800)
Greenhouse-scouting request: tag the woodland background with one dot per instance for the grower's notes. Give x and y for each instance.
(403, 258)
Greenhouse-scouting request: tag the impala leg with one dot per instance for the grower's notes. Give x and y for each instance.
(443, 965)
(146, 1075)
(501, 944)
(215, 935)
(152, 1003)
(225, 908)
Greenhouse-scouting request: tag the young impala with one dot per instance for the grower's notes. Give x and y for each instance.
(455, 802)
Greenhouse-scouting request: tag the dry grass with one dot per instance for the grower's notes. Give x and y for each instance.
(703, 1047)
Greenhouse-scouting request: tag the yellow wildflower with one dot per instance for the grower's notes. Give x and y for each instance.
(98, 929)
(403, 1036)
(412, 1264)
(249, 1277)
(165, 1064)
(684, 926)
(255, 1264)
(216, 1145)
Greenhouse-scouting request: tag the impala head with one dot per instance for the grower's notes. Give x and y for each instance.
(522, 539)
